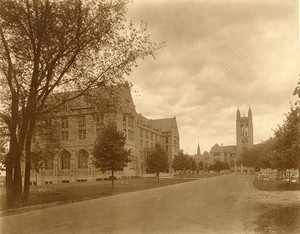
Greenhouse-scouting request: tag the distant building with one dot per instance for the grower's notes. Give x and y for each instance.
(232, 153)
(81, 120)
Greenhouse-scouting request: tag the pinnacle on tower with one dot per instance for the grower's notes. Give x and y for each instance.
(249, 112)
(238, 114)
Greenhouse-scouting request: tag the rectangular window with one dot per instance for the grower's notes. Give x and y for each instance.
(130, 121)
(130, 135)
(151, 136)
(64, 129)
(99, 123)
(142, 143)
(141, 132)
(124, 126)
(82, 128)
(146, 134)
(167, 139)
(49, 163)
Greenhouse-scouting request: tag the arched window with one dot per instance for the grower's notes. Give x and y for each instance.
(82, 159)
(65, 159)
(49, 161)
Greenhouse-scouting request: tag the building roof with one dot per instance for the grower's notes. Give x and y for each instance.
(166, 124)
(114, 98)
(216, 148)
(226, 149)
(229, 148)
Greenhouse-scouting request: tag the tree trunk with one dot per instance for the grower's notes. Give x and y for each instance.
(28, 161)
(157, 175)
(18, 180)
(14, 189)
(13, 172)
(36, 175)
(112, 178)
(10, 191)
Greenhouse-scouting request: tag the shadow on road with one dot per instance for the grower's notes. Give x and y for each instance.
(278, 219)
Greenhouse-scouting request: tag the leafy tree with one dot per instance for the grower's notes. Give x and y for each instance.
(218, 166)
(49, 47)
(201, 166)
(109, 152)
(259, 156)
(282, 151)
(157, 160)
(181, 162)
(287, 142)
(193, 165)
(37, 162)
(46, 137)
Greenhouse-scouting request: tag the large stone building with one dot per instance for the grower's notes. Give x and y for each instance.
(232, 153)
(78, 123)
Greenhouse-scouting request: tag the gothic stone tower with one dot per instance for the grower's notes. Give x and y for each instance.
(244, 131)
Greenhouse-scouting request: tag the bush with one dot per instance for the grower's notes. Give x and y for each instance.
(110, 178)
(269, 185)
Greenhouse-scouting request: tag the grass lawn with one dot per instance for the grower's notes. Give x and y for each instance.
(270, 185)
(64, 193)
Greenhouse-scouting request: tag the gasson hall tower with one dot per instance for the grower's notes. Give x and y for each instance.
(244, 132)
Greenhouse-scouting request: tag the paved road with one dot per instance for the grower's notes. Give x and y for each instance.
(209, 205)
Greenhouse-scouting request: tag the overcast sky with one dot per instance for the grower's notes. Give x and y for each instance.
(219, 55)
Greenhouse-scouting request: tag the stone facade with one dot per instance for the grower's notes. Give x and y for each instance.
(79, 122)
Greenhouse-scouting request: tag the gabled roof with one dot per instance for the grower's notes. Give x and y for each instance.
(229, 148)
(166, 124)
(114, 98)
(216, 148)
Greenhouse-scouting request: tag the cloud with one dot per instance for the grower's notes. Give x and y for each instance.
(219, 55)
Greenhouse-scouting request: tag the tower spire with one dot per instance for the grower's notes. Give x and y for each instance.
(198, 149)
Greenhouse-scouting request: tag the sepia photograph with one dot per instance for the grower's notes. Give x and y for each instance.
(149, 116)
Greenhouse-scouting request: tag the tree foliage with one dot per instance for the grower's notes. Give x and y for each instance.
(181, 162)
(49, 47)
(282, 151)
(193, 165)
(287, 142)
(157, 160)
(219, 166)
(259, 156)
(109, 150)
(201, 166)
